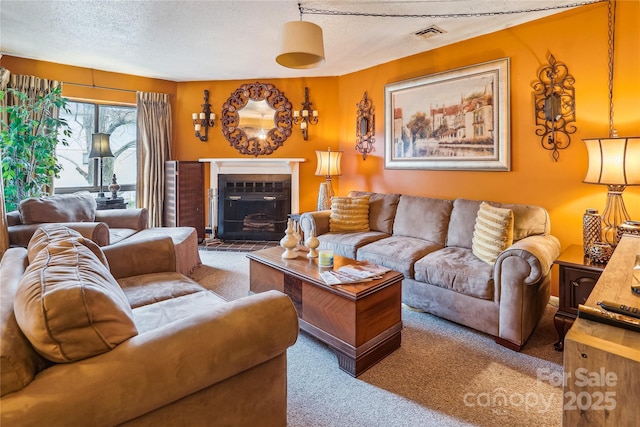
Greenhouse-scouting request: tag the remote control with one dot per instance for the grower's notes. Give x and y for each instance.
(613, 319)
(620, 309)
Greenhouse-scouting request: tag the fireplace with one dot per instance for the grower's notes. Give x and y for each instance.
(253, 207)
(289, 167)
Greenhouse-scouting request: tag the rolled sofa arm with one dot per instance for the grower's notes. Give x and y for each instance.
(538, 251)
(19, 235)
(136, 219)
(317, 221)
(133, 258)
(159, 367)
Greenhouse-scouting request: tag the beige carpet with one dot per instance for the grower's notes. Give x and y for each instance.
(444, 374)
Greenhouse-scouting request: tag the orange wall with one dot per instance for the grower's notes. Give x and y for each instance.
(577, 38)
(86, 76)
(322, 93)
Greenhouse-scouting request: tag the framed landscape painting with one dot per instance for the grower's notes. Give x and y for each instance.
(454, 120)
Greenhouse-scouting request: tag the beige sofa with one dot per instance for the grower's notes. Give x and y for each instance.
(77, 211)
(135, 343)
(430, 241)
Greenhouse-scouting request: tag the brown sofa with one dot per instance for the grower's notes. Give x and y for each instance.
(115, 336)
(77, 211)
(430, 241)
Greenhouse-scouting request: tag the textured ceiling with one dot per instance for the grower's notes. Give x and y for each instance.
(221, 40)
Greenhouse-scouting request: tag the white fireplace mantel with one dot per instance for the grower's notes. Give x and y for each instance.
(252, 166)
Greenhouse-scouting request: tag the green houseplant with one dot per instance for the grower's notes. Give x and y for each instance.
(28, 145)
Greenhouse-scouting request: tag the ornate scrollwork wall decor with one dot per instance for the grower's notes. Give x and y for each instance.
(245, 138)
(365, 126)
(555, 106)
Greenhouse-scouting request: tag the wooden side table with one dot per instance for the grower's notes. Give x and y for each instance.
(578, 277)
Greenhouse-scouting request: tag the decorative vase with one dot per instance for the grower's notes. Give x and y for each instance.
(591, 229)
(628, 227)
(289, 242)
(114, 187)
(312, 243)
(599, 252)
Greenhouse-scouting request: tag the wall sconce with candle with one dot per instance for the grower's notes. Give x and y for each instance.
(204, 120)
(306, 116)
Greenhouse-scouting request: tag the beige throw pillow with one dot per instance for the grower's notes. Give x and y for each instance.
(493, 232)
(349, 214)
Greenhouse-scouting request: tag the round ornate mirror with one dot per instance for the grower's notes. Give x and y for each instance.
(256, 119)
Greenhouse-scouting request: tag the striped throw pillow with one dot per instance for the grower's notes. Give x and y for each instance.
(493, 232)
(349, 214)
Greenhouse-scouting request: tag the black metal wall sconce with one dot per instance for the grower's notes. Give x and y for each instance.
(555, 106)
(306, 116)
(365, 126)
(204, 120)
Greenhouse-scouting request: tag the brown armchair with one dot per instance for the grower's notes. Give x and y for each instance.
(77, 211)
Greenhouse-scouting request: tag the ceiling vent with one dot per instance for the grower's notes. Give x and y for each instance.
(428, 32)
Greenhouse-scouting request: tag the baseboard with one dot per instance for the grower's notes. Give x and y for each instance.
(554, 301)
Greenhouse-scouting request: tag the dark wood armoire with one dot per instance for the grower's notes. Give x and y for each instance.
(184, 195)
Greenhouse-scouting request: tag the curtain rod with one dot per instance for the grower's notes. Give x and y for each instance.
(99, 87)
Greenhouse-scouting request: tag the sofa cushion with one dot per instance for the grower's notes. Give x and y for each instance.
(154, 316)
(50, 233)
(423, 218)
(347, 244)
(493, 232)
(382, 210)
(457, 269)
(76, 207)
(154, 287)
(19, 362)
(397, 253)
(69, 306)
(349, 214)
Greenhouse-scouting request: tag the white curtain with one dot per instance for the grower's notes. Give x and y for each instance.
(154, 148)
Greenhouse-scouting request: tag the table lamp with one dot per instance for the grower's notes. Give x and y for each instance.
(614, 162)
(100, 148)
(328, 165)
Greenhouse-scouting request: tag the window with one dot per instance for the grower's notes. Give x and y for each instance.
(82, 173)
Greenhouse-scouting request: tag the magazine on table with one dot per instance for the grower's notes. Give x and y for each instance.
(353, 273)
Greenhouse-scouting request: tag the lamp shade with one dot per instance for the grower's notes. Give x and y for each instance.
(328, 163)
(100, 146)
(301, 45)
(613, 161)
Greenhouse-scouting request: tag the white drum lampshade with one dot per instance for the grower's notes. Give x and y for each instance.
(328, 166)
(614, 162)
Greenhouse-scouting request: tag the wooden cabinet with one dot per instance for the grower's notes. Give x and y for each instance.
(184, 195)
(602, 362)
(578, 277)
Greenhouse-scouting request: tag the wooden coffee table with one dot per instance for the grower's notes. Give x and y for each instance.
(362, 322)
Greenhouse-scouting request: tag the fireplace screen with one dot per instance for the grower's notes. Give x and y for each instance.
(253, 207)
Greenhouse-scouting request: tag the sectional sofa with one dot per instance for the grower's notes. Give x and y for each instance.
(430, 241)
(77, 211)
(94, 336)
